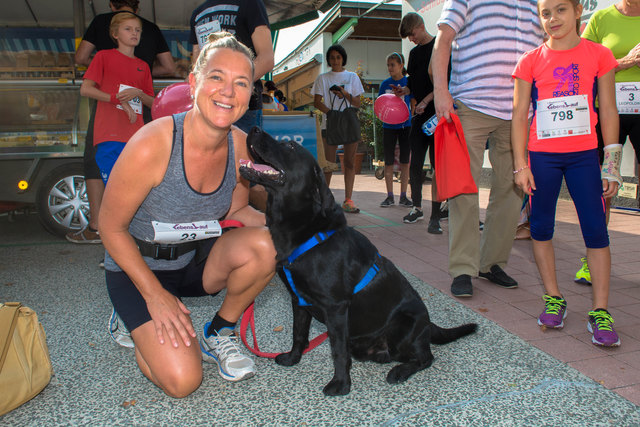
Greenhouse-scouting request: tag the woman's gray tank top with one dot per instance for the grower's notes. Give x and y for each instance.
(174, 201)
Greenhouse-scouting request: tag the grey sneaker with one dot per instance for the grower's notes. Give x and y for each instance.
(222, 348)
(119, 332)
(413, 216)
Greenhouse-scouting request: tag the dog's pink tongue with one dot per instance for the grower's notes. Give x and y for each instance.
(256, 166)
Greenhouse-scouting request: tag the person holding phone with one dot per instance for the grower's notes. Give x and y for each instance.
(338, 89)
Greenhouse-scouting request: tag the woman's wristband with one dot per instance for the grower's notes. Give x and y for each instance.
(520, 169)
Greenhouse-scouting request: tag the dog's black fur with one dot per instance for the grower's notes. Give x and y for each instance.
(387, 320)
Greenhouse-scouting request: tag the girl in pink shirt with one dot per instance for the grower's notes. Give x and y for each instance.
(560, 80)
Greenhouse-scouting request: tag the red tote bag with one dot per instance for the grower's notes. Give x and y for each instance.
(453, 173)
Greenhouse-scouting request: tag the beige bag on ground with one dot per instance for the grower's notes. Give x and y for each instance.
(25, 366)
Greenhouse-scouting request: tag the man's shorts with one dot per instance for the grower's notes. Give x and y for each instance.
(91, 169)
(106, 155)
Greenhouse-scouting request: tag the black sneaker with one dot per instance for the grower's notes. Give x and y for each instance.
(413, 216)
(405, 202)
(461, 286)
(499, 277)
(434, 226)
(387, 202)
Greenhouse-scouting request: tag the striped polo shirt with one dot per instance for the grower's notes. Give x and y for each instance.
(491, 35)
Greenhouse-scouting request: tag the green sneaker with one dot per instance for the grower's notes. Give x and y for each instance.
(583, 276)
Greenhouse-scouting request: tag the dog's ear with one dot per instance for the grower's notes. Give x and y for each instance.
(327, 202)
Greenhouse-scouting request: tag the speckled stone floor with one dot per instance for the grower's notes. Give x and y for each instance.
(490, 378)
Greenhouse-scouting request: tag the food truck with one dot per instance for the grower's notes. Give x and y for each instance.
(43, 118)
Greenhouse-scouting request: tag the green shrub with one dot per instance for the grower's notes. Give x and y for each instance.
(371, 129)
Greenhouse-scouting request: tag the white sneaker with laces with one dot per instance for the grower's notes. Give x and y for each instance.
(222, 348)
(118, 331)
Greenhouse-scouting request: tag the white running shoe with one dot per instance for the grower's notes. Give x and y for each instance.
(119, 332)
(222, 348)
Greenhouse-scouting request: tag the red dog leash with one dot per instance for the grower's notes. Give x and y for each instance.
(230, 223)
(248, 320)
(248, 316)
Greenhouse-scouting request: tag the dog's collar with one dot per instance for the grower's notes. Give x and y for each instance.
(312, 242)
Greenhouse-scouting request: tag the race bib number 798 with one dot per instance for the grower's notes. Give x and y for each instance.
(563, 116)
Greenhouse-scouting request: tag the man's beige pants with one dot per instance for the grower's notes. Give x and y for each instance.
(468, 251)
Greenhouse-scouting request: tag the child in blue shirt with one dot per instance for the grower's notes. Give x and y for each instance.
(398, 133)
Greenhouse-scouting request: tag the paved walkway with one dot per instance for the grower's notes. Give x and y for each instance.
(425, 256)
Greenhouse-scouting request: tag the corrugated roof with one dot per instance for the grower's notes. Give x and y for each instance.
(167, 14)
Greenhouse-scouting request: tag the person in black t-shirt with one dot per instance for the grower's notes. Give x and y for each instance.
(247, 20)
(420, 86)
(153, 49)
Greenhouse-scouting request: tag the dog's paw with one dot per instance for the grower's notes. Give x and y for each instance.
(401, 373)
(381, 357)
(287, 359)
(337, 388)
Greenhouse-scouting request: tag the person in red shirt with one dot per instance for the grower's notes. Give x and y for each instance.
(560, 80)
(121, 83)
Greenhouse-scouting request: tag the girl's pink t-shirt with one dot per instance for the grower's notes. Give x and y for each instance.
(564, 73)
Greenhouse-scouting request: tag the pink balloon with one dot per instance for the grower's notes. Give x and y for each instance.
(391, 109)
(173, 99)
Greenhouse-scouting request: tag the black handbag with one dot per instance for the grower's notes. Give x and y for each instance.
(343, 127)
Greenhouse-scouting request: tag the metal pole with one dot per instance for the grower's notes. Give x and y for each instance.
(78, 20)
(375, 137)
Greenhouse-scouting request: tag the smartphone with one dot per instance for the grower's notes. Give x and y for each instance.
(335, 88)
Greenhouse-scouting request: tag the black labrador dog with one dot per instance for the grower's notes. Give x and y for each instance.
(335, 274)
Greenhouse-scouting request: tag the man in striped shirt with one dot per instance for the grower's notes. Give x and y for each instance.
(485, 39)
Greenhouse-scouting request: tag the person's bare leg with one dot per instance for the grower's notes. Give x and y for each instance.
(599, 261)
(330, 155)
(243, 261)
(95, 190)
(388, 178)
(349, 169)
(546, 261)
(404, 177)
(177, 371)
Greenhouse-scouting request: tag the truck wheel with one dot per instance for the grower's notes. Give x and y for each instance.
(62, 201)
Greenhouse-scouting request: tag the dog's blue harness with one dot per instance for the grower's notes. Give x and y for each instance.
(311, 243)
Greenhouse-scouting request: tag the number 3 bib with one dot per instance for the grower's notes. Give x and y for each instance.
(563, 116)
(628, 97)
